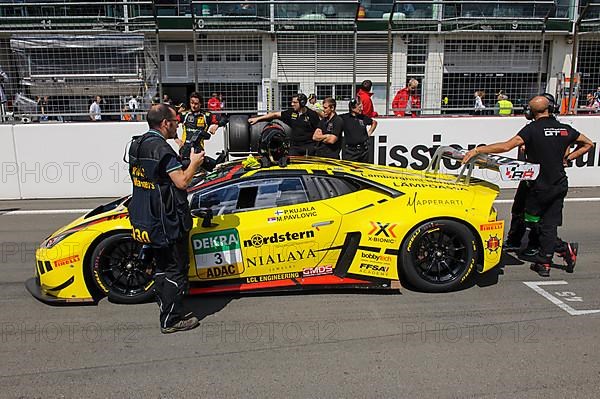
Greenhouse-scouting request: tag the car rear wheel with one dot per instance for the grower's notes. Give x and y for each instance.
(119, 273)
(438, 256)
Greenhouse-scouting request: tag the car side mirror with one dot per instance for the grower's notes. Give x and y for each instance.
(206, 214)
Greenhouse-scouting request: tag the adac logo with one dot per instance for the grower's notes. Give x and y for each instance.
(492, 244)
(258, 240)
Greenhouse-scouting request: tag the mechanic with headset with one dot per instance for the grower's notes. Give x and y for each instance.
(302, 120)
(547, 143)
(356, 136)
(160, 214)
(328, 136)
(199, 125)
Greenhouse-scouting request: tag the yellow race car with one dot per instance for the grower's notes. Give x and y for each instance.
(315, 223)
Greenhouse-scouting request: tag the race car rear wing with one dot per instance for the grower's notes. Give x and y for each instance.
(510, 169)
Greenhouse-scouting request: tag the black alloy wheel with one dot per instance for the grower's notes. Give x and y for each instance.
(438, 256)
(120, 273)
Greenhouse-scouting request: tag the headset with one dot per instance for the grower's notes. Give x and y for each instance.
(552, 107)
(302, 99)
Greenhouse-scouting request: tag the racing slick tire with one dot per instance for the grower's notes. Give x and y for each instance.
(238, 133)
(438, 256)
(119, 273)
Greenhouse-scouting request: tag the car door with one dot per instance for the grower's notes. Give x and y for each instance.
(263, 230)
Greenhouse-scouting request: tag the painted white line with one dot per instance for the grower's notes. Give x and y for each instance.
(593, 199)
(535, 285)
(44, 212)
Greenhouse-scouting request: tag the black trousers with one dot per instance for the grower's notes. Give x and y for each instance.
(517, 222)
(546, 202)
(356, 153)
(171, 280)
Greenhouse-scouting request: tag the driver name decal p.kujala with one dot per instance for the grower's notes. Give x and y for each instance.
(217, 254)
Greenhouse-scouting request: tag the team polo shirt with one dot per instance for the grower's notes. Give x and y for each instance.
(546, 141)
(303, 125)
(333, 125)
(355, 128)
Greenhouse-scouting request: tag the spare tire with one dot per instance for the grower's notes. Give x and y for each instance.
(238, 133)
(255, 132)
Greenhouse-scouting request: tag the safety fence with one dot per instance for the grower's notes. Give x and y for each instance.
(59, 58)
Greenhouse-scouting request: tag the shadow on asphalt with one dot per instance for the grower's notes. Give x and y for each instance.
(492, 277)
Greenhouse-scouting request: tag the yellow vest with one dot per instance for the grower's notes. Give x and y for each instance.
(505, 107)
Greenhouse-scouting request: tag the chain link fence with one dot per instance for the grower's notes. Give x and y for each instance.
(57, 57)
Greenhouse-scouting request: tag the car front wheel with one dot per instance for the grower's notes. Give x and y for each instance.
(119, 272)
(438, 256)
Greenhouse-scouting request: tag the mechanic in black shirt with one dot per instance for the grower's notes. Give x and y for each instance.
(303, 121)
(160, 214)
(328, 135)
(548, 143)
(356, 136)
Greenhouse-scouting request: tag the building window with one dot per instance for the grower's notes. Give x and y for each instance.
(286, 91)
(341, 92)
(233, 58)
(176, 57)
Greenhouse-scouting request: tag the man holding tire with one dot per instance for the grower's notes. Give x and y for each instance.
(303, 122)
(160, 214)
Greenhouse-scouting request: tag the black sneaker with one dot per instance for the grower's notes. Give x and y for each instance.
(188, 315)
(182, 325)
(570, 256)
(511, 247)
(529, 251)
(543, 269)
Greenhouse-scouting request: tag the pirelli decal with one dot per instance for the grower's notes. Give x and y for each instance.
(491, 226)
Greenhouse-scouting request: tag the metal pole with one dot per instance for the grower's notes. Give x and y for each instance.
(542, 45)
(574, 57)
(388, 78)
(195, 52)
(156, 31)
(354, 61)
(126, 15)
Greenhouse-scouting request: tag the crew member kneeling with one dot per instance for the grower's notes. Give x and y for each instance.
(160, 214)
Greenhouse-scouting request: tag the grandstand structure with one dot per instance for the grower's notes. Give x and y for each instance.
(57, 55)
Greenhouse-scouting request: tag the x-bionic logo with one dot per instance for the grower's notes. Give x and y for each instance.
(382, 232)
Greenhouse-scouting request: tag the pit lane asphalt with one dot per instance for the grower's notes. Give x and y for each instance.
(497, 339)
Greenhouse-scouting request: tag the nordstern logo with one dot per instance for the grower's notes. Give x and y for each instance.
(258, 240)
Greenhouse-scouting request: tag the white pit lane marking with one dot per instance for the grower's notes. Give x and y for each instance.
(535, 285)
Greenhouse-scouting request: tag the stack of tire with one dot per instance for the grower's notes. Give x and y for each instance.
(242, 138)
